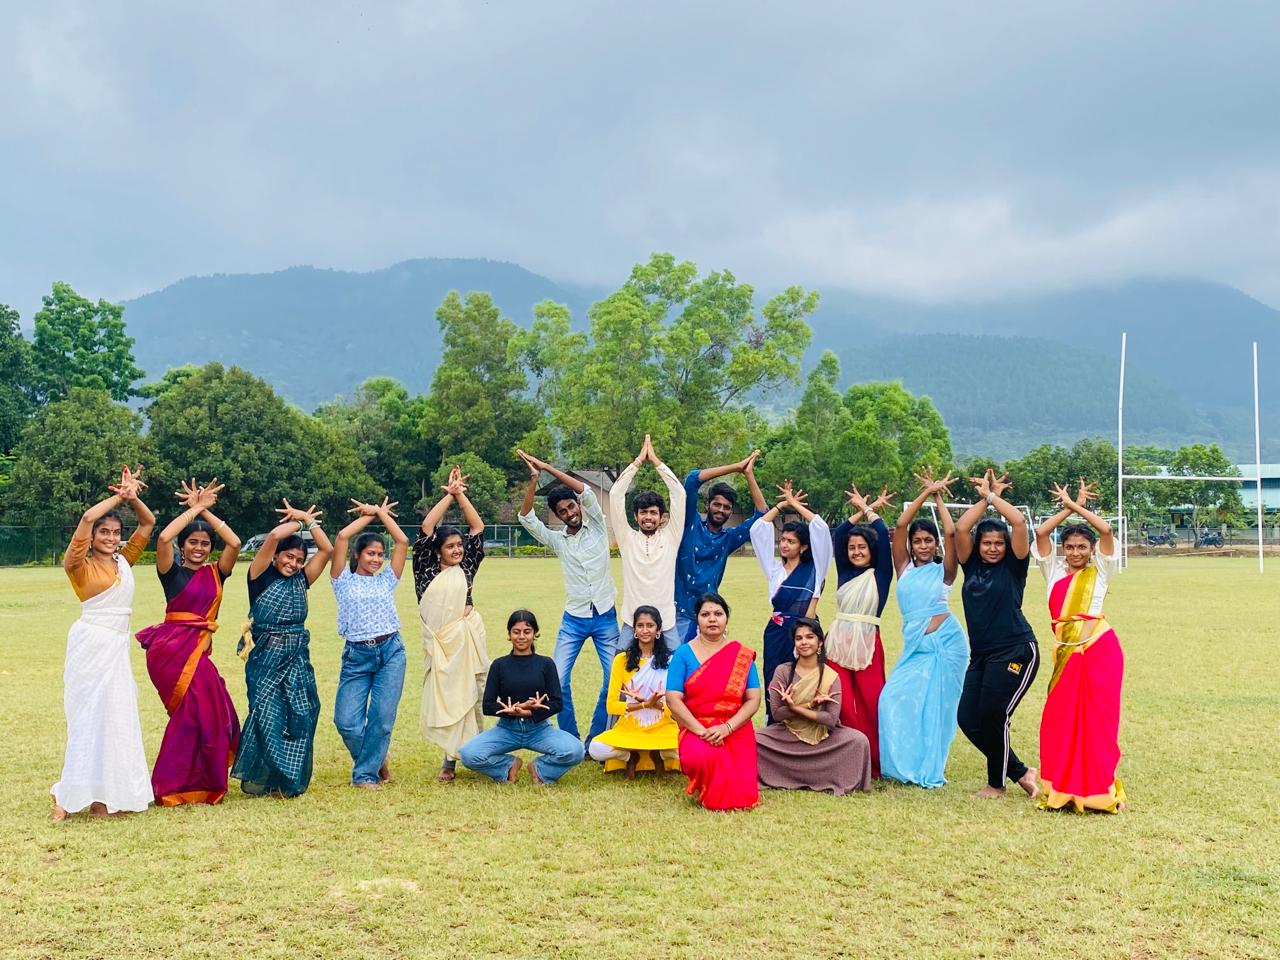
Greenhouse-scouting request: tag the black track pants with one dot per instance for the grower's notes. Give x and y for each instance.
(994, 685)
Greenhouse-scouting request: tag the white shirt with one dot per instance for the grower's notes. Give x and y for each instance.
(1054, 568)
(762, 542)
(584, 558)
(648, 563)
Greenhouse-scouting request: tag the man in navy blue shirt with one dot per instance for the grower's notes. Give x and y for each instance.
(707, 542)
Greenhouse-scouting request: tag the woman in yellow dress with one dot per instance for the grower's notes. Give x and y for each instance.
(445, 561)
(645, 736)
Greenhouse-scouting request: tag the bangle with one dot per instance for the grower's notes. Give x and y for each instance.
(301, 526)
(991, 498)
(311, 526)
(221, 524)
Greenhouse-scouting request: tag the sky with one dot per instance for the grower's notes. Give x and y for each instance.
(934, 151)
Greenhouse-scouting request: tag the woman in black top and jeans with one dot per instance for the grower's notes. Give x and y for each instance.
(1003, 654)
(523, 692)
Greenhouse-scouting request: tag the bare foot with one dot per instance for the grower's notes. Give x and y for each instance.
(1030, 782)
(97, 809)
(367, 786)
(990, 793)
(446, 775)
(384, 771)
(59, 814)
(515, 771)
(533, 773)
(633, 759)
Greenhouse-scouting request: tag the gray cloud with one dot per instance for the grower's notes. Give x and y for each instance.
(934, 151)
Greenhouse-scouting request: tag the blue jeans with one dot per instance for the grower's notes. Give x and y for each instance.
(602, 628)
(490, 752)
(670, 636)
(364, 709)
(686, 628)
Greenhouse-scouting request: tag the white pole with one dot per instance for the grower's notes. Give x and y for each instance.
(1257, 451)
(1124, 539)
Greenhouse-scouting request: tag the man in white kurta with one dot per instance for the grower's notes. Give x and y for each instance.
(649, 552)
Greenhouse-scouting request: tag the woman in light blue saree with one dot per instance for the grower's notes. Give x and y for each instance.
(918, 705)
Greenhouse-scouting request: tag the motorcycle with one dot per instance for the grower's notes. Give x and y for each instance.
(1165, 538)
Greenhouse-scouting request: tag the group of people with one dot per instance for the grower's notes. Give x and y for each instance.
(678, 693)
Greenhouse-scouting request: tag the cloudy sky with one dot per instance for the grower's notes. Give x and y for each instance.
(933, 150)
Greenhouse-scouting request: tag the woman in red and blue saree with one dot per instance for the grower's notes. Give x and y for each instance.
(713, 691)
(919, 702)
(1080, 727)
(795, 577)
(278, 740)
(203, 733)
(864, 565)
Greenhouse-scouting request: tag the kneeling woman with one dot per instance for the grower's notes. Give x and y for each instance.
(645, 736)
(203, 733)
(523, 692)
(278, 741)
(806, 747)
(713, 691)
(1080, 727)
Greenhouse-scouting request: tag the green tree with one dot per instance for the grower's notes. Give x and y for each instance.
(388, 430)
(69, 451)
(486, 487)
(15, 379)
(79, 343)
(225, 422)
(478, 401)
(876, 434)
(671, 354)
(1210, 499)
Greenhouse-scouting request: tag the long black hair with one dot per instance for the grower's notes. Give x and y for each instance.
(661, 655)
(363, 541)
(801, 530)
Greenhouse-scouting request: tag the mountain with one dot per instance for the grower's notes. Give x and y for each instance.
(1007, 374)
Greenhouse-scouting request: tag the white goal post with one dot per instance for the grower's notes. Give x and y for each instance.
(1121, 476)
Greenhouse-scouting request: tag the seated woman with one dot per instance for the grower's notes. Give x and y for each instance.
(645, 736)
(523, 692)
(713, 691)
(806, 747)
(277, 744)
(1080, 727)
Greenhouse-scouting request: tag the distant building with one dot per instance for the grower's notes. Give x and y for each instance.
(1270, 487)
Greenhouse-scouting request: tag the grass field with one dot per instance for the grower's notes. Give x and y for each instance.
(599, 868)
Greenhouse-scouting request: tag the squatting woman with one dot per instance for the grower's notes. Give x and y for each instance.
(105, 768)
(373, 660)
(920, 699)
(1080, 727)
(203, 734)
(713, 691)
(277, 744)
(445, 561)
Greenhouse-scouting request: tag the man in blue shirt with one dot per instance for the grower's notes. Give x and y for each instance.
(707, 542)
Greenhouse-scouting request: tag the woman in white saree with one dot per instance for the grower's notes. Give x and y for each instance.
(445, 561)
(105, 768)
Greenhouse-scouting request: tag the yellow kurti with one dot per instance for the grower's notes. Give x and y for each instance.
(629, 733)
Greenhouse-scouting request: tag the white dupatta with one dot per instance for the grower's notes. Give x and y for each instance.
(851, 641)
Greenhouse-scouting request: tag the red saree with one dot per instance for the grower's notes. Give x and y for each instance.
(1080, 727)
(203, 734)
(723, 777)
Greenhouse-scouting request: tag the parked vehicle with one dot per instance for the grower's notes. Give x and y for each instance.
(1209, 538)
(1163, 538)
(250, 546)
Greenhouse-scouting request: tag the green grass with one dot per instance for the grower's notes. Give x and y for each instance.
(598, 868)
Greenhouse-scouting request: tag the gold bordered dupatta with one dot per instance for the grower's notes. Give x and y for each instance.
(803, 690)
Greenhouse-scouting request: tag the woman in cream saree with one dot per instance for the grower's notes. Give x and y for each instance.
(445, 561)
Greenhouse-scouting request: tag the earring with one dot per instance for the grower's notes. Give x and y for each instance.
(795, 654)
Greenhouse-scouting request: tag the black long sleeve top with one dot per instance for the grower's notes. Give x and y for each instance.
(514, 678)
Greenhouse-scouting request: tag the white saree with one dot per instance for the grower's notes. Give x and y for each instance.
(457, 663)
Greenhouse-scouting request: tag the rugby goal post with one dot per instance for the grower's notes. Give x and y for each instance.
(1121, 476)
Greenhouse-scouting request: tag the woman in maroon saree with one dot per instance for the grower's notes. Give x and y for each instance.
(713, 691)
(203, 734)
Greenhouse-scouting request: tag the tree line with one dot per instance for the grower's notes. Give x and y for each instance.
(683, 356)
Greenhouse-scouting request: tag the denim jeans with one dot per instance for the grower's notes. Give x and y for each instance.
(670, 637)
(686, 628)
(364, 709)
(602, 628)
(490, 752)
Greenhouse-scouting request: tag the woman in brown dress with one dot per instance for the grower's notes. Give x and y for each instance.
(806, 747)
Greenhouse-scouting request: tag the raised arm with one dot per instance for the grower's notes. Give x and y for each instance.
(83, 535)
(577, 486)
(675, 493)
(190, 496)
(364, 512)
(950, 562)
(1044, 532)
(1106, 536)
(1018, 534)
(285, 528)
(324, 548)
(618, 500)
(399, 539)
(749, 471)
(436, 514)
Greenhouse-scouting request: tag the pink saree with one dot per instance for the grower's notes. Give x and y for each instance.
(203, 734)
(723, 777)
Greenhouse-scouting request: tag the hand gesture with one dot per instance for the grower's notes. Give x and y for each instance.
(534, 465)
(510, 708)
(130, 484)
(305, 517)
(884, 500)
(982, 484)
(931, 487)
(716, 735)
(537, 702)
(820, 698)
(1087, 492)
(457, 485)
(646, 450)
(362, 509)
(1062, 495)
(999, 484)
(857, 502)
(748, 465)
(784, 691)
(791, 497)
(632, 694)
(206, 497)
(187, 493)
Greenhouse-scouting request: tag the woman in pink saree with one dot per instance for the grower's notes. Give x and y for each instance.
(713, 691)
(203, 734)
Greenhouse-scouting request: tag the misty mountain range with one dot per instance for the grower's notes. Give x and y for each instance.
(1007, 375)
